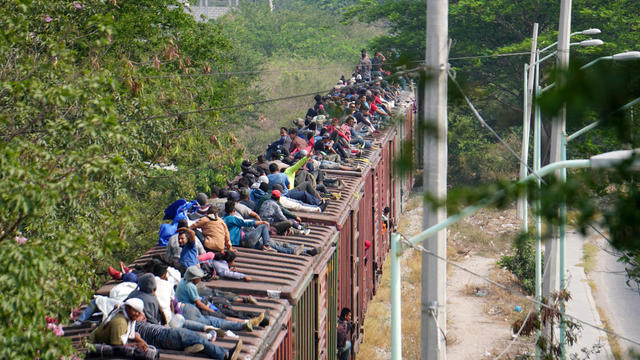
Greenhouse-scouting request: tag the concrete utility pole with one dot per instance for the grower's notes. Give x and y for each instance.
(434, 275)
(551, 282)
(521, 207)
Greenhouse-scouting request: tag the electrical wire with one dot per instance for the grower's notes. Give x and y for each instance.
(236, 106)
(227, 73)
(484, 123)
(420, 248)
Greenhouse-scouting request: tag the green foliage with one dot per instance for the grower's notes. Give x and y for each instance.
(522, 263)
(81, 89)
(295, 29)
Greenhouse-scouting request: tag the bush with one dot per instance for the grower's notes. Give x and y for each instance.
(522, 263)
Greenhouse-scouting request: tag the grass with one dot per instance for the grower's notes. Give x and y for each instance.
(589, 257)
(287, 77)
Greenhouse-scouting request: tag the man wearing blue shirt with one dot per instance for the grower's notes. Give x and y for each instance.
(254, 239)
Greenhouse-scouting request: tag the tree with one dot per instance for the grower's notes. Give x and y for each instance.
(85, 91)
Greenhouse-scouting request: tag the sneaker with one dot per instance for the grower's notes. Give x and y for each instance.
(252, 300)
(256, 320)
(313, 252)
(231, 334)
(269, 249)
(195, 348)
(306, 231)
(324, 204)
(298, 250)
(247, 326)
(234, 352)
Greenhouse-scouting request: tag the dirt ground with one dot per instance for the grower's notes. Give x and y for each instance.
(479, 315)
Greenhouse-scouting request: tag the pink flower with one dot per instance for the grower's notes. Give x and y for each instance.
(51, 326)
(20, 239)
(57, 331)
(78, 5)
(47, 18)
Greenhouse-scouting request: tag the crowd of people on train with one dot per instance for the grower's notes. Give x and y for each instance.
(164, 305)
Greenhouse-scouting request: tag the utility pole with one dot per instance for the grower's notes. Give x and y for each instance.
(435, 181)
(554, 249)
(521, 207)
(551, 279)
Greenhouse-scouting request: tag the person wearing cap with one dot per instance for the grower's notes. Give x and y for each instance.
(272, 211)
(119, 327)
(146, 292)
(216, 235)
(201, 207)
(194, 309)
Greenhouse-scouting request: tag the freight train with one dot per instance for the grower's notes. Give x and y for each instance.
(303, 295)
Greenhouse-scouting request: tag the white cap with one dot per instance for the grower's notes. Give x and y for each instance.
(135, 303)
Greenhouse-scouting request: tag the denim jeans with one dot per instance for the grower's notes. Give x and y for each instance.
(281, 247)
(191, 312)
(178, 339)
(343, 353)
(257, 236)
(304, 196)
(183, 338)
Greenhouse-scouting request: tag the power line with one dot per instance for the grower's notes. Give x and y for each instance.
(489, 56)
(484, 123)
(422, 249)
(236, 106)
(227, 73)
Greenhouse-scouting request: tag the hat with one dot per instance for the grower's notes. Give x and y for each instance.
(147, 283)
(130, 277)
(202, 199)
(321, 106)
(234, 195)
(135, 303)
(326, 136)
(276, 194)
(193, 272)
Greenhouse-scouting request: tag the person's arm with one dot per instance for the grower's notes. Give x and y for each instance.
(198, 224)
(227, 238)
(200, 305)
(286, 213)
(139, 342)
(254, 215)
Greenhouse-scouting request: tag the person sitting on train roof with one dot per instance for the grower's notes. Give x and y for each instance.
(201, 207)
(355, 136)
(260, 239)
(146, 292)
(245, 199)
(118, 330)
(297, 142)
(194, 309)
(282, 220)
(182, 339)
(216, 235)
(174, 250)
(189, 252)
(249, 239)
(277, 177)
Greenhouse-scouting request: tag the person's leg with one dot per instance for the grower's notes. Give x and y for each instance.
(345, 352)
(282, 227)
(188, 338)
(282, 248)
(86, 314)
